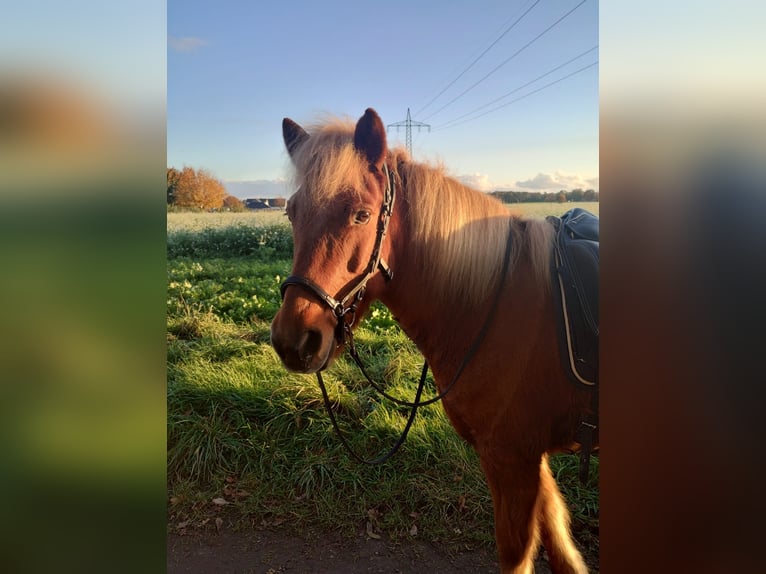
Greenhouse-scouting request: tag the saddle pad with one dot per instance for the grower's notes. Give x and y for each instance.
(576, 292)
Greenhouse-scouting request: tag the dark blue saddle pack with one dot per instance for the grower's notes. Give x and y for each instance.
(575, 288)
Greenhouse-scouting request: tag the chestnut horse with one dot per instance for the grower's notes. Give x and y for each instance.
(438, 267)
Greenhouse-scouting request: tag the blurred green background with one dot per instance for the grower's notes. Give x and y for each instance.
(82, 287)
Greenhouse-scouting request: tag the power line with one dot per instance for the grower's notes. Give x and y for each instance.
(504, 62)
(408, 123)
(444, 127)
(460, 75)
(540, 77)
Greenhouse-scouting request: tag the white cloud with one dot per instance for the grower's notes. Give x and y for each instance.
(185, 44)
(557, 181)
(477, 181)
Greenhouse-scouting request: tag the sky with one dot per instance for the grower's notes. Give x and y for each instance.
(509, 88)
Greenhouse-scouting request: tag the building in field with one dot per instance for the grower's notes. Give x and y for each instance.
(260, 203)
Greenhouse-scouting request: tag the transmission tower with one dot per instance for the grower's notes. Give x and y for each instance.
(408, 124)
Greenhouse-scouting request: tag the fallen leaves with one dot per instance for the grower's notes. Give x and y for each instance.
(373, 514)
(414, 528)
(234, 492)
(370, 532)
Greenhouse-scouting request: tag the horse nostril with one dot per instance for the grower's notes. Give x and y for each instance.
(311, 344)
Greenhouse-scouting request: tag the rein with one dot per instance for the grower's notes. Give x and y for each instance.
(344, 331)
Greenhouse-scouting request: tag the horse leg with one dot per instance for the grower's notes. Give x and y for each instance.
(563, 556)
(514, 486)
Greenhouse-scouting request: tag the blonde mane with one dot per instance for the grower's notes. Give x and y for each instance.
(462, 233)
(459, 234)
(327, 161)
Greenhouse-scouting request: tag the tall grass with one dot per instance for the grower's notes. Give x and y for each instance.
(250, 443)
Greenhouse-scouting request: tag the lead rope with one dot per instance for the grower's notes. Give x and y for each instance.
(421, 385)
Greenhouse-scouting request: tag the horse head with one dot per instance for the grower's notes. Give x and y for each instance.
(339, 216)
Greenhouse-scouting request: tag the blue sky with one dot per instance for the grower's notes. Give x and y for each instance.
(236, 68)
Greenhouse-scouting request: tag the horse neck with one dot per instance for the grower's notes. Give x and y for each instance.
(438, 330)
(442, 326)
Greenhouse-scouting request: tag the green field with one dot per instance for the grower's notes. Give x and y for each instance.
(543, 209)
(196, 221)
(249, 444)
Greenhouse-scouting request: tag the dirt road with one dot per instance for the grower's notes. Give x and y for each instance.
(272, 552)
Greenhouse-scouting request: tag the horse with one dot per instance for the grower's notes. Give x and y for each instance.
(435, 259)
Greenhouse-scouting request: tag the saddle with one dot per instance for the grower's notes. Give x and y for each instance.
(575, 287)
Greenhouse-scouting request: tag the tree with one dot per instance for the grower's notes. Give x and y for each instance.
(173, 175)
(233, 203)
(562, 196)
(198, 189)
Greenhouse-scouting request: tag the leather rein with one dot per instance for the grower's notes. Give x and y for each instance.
(343, 330)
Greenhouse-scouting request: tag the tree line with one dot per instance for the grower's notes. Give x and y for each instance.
(191, 188)
(562, 196)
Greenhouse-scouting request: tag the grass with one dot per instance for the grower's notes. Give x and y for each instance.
(197, 221)
(250, 444)
(543, 209)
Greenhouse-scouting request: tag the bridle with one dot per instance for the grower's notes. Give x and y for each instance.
(342, 309)
(343, 330)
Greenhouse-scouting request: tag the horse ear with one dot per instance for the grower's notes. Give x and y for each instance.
(293, 134)
(370, 138)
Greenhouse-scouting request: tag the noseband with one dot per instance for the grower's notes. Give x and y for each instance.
(346, 307)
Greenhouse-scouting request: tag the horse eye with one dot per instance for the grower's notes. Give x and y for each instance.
(362, 217)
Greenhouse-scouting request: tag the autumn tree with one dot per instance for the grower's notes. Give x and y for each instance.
(233, 203)
(198, 189)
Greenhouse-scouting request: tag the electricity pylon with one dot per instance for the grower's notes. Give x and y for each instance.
(408, 123)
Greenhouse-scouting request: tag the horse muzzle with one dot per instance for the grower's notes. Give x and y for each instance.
(305, 340)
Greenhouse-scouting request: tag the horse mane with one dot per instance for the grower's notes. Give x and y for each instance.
(461, 233)
(327, 161)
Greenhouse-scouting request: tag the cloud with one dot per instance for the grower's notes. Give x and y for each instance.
(477, 181)
(559, 180)
(185, 44)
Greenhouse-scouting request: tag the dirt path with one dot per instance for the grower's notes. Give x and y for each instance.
(273, 552)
